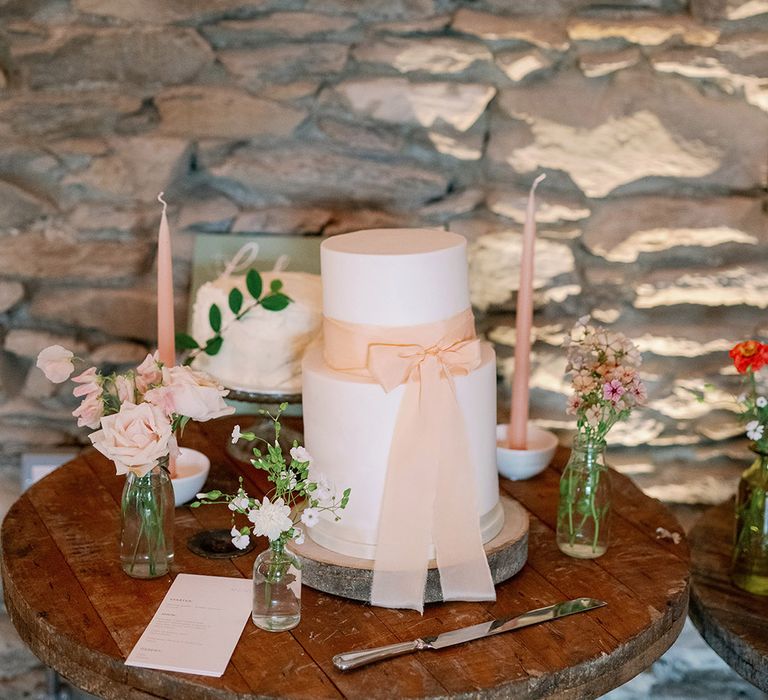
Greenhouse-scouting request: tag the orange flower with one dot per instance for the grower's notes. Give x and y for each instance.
(749, 355)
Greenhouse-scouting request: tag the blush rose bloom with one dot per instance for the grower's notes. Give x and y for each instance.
(189, 392)
(135, 438)
(56, 363)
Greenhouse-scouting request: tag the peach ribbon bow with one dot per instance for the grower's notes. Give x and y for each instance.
(429, 491)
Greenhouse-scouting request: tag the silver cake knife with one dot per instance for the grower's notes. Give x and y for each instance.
(354, 659)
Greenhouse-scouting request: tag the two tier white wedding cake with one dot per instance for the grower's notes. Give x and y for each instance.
(383, 292)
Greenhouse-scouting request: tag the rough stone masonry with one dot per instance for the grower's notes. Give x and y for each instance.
(314, 117)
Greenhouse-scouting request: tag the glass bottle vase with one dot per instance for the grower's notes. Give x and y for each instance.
(147, 509)
(749, 565)
(585, 501)
(276, 589)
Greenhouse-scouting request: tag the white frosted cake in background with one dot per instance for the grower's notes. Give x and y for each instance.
(390, 278)
(263, 350)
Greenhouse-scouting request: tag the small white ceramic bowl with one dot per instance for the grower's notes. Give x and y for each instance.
(523, 464)
(192, 469)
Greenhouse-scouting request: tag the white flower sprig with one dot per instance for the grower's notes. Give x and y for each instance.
(297, 495)
(604, 376)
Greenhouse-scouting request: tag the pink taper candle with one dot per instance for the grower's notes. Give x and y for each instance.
(518, 420)
(166, 343)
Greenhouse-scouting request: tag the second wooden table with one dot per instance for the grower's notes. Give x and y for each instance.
(733, 622)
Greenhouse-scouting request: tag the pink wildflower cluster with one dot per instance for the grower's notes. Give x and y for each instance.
(604, 376)
(135, 414)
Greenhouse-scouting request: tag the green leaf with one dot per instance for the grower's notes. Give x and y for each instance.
(275, 302)
(213, 345)
(214, 318)
(235, 300)
(185, 341)
(195, 504)
(254, 283)
(179, 423)
(276, 285)
(183, 423)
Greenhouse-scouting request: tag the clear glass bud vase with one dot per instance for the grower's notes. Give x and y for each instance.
(749, 566)
(147, 509)
(276, 589)
(585, 501)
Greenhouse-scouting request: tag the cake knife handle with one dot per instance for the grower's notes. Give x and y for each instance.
(353, 659)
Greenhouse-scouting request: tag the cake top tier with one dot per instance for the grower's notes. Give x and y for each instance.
(394, 277)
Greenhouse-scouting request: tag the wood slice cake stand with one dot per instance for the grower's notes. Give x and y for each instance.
(351, 577)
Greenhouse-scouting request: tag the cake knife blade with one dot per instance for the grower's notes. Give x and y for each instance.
(354, 659)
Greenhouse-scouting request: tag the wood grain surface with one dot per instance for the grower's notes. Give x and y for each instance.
(734, 622)
(70, 601)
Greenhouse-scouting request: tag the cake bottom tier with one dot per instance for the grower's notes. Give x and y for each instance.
(348, 427)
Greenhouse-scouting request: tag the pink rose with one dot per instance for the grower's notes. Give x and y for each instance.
(134, 438)
(189, 392)
(56, 363)
(148, 373)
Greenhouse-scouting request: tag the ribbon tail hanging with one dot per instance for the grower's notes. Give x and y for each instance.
(405, 523)
(461, 559)
(429, 497)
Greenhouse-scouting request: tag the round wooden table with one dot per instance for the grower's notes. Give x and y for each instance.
(70, 601)
(733, 622)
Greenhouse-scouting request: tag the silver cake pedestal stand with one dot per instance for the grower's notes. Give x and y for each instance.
(261, 425)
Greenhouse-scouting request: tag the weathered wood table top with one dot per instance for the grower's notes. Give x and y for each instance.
(734, 622)
(71, 603)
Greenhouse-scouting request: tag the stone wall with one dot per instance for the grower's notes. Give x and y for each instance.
(323, 116)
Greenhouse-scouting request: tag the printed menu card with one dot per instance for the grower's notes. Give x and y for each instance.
(196, 627)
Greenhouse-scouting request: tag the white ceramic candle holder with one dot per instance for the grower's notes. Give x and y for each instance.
(192, 469)
(523, 464)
